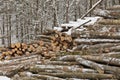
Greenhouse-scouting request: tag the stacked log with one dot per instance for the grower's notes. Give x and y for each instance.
(45, 46)
(114, 11)
(93, 54)
(62, 42)
(64, 67)
(17, 49)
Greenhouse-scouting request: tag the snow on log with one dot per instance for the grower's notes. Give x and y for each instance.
(92, 22)
(58, 28)
(86, 21)
(75, 24)
(69, 58)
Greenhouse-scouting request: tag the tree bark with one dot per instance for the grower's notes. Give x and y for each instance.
(80, 75)
(107, 60)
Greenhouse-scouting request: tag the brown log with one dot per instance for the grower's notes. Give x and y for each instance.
(14, 71)
(27, 53)
(112, 54)
(107, 60)
(90, 64)
(2, 57)
(16, 49)
(80, 75)
(53, 38)
(54, 48)
(56, 35)
(37, 76)
(60, 63)
(115, 48)
(13, 50)
(13, 45)
(114, 70)
(62, 38)
(8, 57)
(115, 7)
(89, 41)
(2, 49)
(23, 50)
(20, 60)
(44, 36)
(41, 43)
(7, 53)
(35, 45)
(31, 48)
(98, 26)
(10, 52)
(3, 53)
(109, 22)
(75, 57)
(102, 45)
(43, 68)
(19, 52)
(24, 46)
(17, 77)
(38, 50)
(68, 58)
(16, 55)
(18, 45)
(115, 14)
(65, 45)
(105, 35)
(20, 49)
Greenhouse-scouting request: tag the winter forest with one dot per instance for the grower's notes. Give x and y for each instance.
(59, 39)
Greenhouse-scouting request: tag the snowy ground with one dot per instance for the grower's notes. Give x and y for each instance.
(4, 78)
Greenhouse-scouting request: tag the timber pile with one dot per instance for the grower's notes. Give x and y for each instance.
(78, 50)
(45, 46)
(70, 67)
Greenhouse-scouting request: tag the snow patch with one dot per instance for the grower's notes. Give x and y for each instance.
(4, 78)
(29, 74)
(58, 28)
(93, 20)
(79, 22)
(69, 32)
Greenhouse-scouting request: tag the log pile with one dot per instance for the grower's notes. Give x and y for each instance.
(84, 52)
(46, 45)
(62, 41)
(69, 67)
